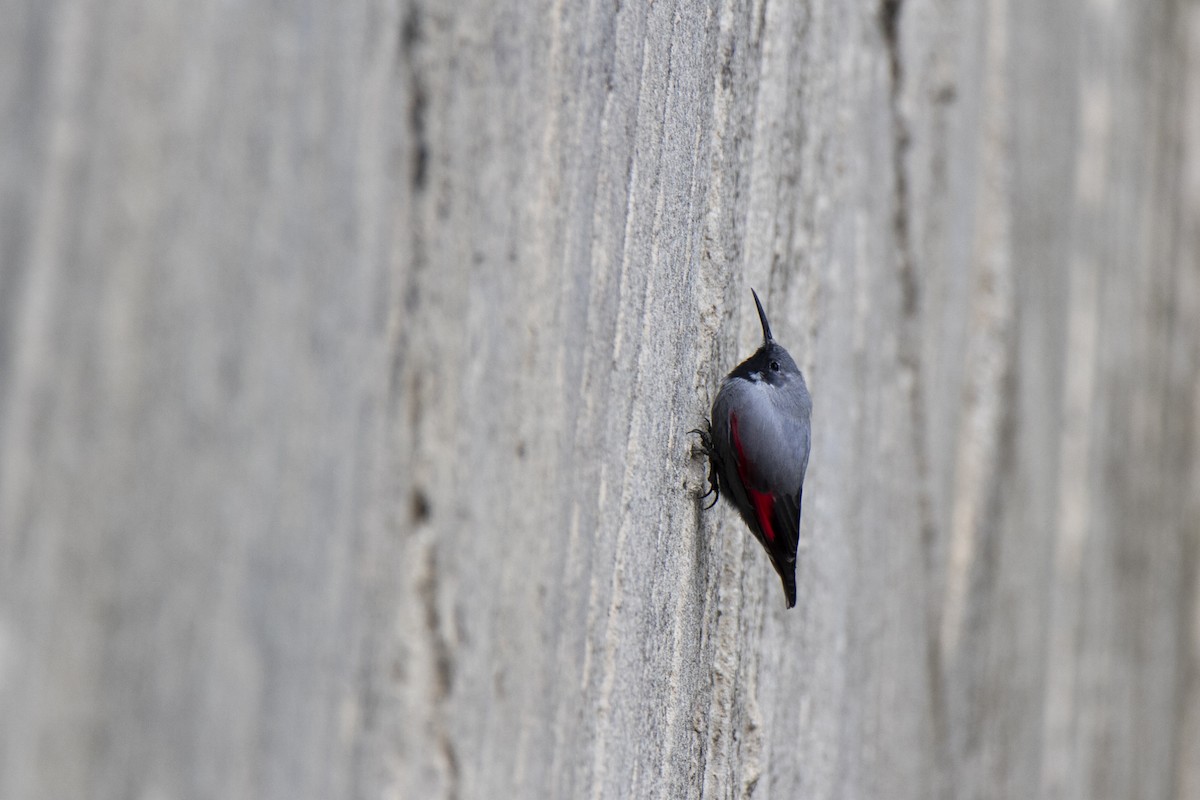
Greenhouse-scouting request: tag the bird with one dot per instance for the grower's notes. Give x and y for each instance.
(757, 443)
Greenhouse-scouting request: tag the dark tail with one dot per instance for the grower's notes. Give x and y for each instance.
(788, 576)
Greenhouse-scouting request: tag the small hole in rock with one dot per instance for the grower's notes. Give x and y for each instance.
(420, 509)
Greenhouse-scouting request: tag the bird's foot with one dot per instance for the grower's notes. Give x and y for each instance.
(706, 445)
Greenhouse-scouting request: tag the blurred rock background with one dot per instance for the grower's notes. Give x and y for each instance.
(348, 353)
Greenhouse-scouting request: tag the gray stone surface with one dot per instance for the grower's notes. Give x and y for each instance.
(348, 353)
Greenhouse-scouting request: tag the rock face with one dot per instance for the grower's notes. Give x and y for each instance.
(348, 354)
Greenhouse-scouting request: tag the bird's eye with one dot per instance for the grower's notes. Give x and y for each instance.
(774, 366)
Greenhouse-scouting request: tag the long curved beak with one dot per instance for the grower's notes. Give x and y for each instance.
(762, 317)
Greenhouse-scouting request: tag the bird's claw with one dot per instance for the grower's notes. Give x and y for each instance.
(706, 444)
